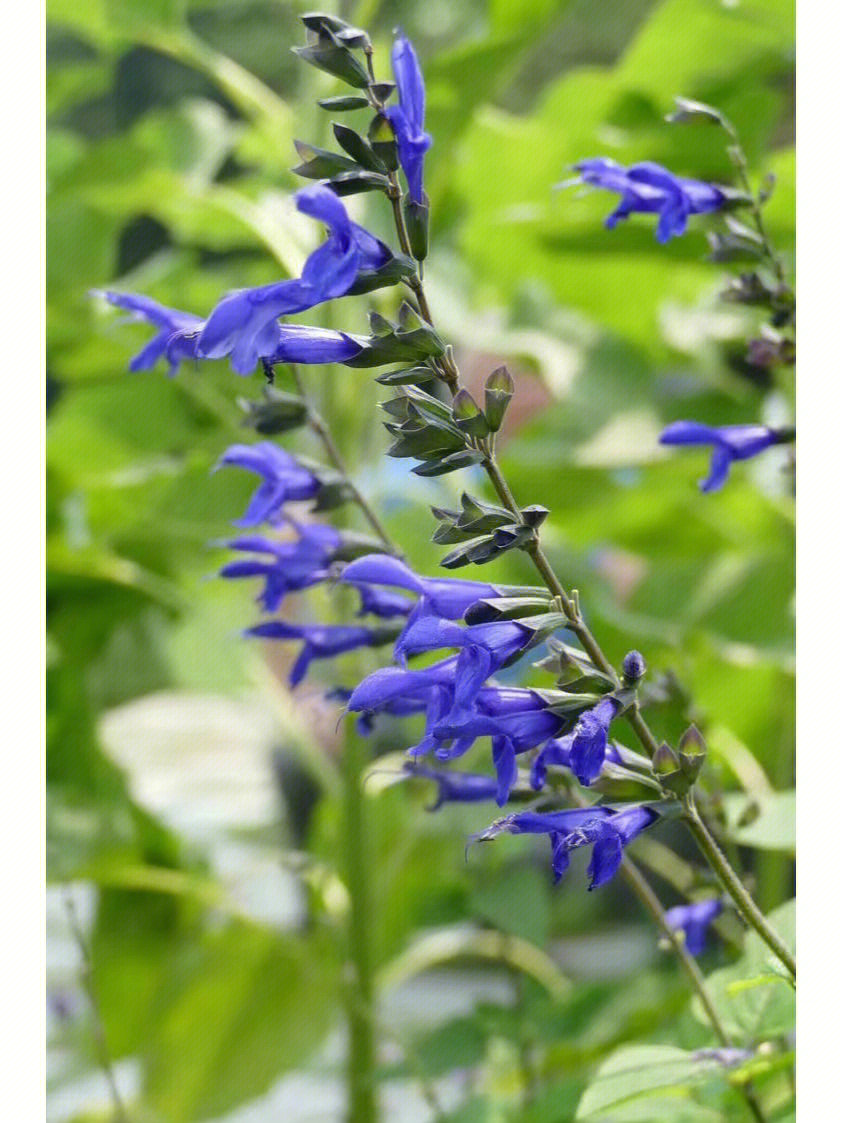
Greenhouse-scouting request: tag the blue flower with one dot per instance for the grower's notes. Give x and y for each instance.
(290, 566)
(379, 602)
(558, 752)
(243, 324)
(177, 334)
(180, 333)
(590, 738)
(320, 641)
(383, 686)
(455, 787)
(694, 920)
(650, 188)
(283, 479)
(447, 597)
(605, 830)
(407, 118)
(729, 442)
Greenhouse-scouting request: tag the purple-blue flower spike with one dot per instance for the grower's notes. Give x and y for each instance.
(283, 479)
(407, 118)
(729, 442)
(694, 921)
(243, 324)
(651, 189)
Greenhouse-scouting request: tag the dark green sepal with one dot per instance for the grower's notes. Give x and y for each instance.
(395, 270)
(498, 390)
(468, 415)
(343, 104)
(353, 545)
(358, 149)
(490, 609)
(355, 182)
(330, 55)
(319, 163)
(382, 139)
(424, 444)
(463, 459)
(407, 376)
(335, 491)
(595, 683)
(276, 412)
(689, 110)
(383, 90)
(417, 221)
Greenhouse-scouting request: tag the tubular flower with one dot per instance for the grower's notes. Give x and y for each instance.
(608, 832)
(558, 752)
(407, 118)
(289, 566)
(320, 641)
(449, 598)
(177, 333)
(283, 479)
(651, 189)
(455, 787)
(590, 738)
(243, 324)
(694, 920)
(729, 442)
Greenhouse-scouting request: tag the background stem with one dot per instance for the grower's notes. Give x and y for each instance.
(735, 887)
(362, 1098)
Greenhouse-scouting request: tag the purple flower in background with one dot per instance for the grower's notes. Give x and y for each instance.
(729, 442)
(407, 118)
(605, 830)
(283, 479)
(320, 641)
(243, 324)
(286, 566)
(694, 920)
(590, 738)
(651, 189)
(455, 787)
(177, 334)
(558, 752)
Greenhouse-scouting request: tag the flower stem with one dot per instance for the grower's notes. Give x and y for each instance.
(730, 881)
(120, 1114)
(360, 989)
(647, 896)
(570, 607)
(320, 429)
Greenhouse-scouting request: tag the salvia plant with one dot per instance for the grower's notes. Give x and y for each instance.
(574, 759)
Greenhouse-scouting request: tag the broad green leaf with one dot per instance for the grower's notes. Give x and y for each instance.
(754, 1000)
(766, 822)
(641, 1082)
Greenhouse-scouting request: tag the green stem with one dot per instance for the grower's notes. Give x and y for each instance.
(87, 976)
(362, 1098)
(734, 886)
(570, 608)
(646, 895)
(738, 157)
(321, 430)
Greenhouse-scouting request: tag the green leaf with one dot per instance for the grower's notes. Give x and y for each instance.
(765, 822)
(657, 1079)
(232, 1020)
(753, 1000)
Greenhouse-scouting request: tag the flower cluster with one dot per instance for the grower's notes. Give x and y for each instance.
(474, 629)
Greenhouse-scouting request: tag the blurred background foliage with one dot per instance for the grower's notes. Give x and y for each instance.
(193, 802)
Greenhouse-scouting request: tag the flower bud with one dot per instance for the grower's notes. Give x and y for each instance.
(634, 667)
